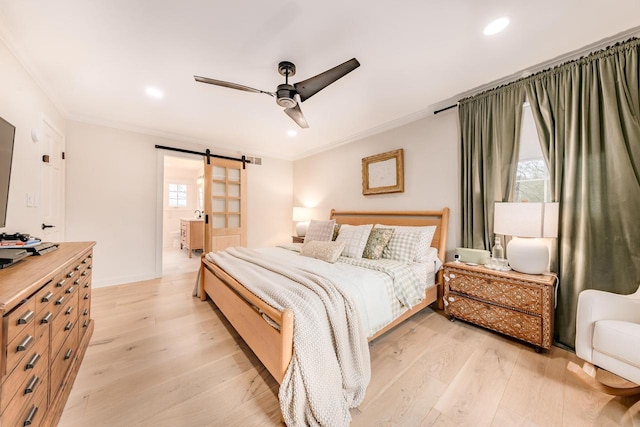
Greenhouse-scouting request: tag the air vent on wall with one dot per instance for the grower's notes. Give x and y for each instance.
(254, 160)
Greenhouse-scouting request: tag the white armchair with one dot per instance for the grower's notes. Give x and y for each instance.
(608, 336)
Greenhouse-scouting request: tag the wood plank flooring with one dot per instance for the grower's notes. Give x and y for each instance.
(160, 357)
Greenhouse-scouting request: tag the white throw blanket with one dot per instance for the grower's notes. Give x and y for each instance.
(330, 368)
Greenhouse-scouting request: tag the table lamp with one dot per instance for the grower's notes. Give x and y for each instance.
(528, 223)
(302, 216)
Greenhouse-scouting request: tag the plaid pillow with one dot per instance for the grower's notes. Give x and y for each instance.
(378, 240)
(319, 230)
(425, 237)
(355, 238)
(402, 247)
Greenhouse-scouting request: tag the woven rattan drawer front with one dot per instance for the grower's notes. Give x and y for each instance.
(503, 291)
(519, 325)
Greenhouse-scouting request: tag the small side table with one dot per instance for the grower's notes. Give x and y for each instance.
(297, 239)
(515, 304)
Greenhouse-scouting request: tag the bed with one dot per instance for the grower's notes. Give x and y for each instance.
(269, 331)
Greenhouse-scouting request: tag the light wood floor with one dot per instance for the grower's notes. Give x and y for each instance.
(160, 357)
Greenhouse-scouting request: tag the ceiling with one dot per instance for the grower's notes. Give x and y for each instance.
(95, 59)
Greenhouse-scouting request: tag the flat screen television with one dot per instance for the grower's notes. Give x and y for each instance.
(7, 135)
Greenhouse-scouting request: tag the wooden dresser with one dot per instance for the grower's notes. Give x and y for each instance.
(515, 304)
(46, 307)
(192, 234)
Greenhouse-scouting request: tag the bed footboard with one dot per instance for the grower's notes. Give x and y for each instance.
(245, 312)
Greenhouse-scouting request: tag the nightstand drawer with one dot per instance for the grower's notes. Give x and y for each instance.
(519, 325)
(505, 292)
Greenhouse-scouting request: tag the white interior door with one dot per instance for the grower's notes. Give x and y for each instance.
(52, 185)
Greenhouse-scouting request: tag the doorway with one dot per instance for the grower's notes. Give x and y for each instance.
(182, 205)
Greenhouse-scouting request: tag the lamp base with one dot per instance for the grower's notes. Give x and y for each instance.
(301, 228)
(528, 255)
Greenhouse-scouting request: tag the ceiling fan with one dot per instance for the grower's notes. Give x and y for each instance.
(285, 94)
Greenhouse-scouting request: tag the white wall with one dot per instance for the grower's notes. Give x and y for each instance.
(24, 104)
(333, 179)
(112, 190)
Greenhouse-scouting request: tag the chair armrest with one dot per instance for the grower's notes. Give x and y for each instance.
(596, 305)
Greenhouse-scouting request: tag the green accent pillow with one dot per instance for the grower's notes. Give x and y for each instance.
(336, 231)
(378, 240)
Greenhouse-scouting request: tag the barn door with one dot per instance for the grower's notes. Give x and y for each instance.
(225, 204)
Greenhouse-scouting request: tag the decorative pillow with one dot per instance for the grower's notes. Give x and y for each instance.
(324, 250)
(336, 230)
(355, 238)
(425, 238)
(378, 239)
(402, 247)
(319, 230)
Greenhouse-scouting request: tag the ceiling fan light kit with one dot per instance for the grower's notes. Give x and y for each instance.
(290, 96)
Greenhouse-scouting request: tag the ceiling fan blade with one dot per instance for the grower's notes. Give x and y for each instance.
(296, 114)
(230, 85)
(307, 88)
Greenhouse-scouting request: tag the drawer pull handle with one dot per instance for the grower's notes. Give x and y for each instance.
(60, 284)
(59, 301)
(47, 297)
(68, 354)
(84, 261)
(25, 318)
(70, 290)
(25, 343)
(69, 311)
(70, 274)
(84, 273)
(86, 285)
(31, 416)
(68, 326)
(85, 324)
(46, 318)
(90, 266)
(32, 384)
(86, 296)
(32, 363)
(85, 312)
(77, 268)
(76, 282)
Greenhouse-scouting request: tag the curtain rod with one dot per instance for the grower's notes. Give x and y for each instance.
(445, 108)
(207, 154)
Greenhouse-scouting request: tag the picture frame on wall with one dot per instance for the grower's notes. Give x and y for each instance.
(383, 173)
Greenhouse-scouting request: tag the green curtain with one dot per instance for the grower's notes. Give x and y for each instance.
(490, 136)
(587, 114)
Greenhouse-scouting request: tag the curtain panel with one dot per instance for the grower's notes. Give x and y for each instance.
(490, 135)
(587, 114)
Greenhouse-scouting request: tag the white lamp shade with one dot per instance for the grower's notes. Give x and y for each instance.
(301, 214)
(526, 219)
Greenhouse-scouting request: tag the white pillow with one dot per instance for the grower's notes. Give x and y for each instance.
(324, 250)
(319, 230)
(355, 238)
(425, 237)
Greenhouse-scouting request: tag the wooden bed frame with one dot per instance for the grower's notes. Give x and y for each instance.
(274, 347)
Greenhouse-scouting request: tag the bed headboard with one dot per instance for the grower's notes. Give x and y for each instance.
(422, 218)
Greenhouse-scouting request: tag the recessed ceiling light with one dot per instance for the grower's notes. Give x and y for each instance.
(496, 26)
(292, 133)
(154, 92)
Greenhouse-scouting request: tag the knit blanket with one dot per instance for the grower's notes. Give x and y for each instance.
(330, 368)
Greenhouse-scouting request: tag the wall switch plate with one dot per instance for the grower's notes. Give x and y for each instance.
(29, 200)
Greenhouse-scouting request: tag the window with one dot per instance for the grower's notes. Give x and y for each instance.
(177, 195)
(532, 176)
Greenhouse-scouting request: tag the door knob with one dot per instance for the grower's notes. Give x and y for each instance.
(47, 226)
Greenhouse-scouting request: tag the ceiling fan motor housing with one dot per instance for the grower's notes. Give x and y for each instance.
(285, 96)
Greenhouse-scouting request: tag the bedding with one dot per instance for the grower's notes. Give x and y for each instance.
(342, 303)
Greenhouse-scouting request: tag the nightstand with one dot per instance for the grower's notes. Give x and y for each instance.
(297, 239)
(516, 304)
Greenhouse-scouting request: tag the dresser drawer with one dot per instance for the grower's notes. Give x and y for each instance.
(34, 361)
(63, 361)
(19, 320)
(506, 292)
(63, 326)
(28, 409)
(45, 296)
(519, 325)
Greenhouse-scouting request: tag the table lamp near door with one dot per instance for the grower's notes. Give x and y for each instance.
(528, 223)
(301, 216)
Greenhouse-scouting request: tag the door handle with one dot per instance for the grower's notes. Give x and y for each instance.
(47, 226)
